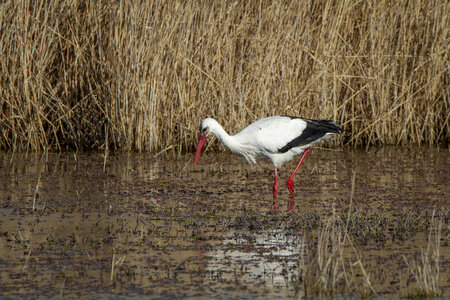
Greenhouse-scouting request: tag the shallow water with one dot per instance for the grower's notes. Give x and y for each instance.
(73, 226)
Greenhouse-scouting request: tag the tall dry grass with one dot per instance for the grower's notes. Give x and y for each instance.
(426, 270)
(144, 73)
(335, 265)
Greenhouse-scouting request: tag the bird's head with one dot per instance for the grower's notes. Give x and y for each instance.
(205, 129)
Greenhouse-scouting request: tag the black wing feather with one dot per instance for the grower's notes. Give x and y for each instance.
(315, 129)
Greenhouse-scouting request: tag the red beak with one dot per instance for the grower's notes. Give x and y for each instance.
(200, 143)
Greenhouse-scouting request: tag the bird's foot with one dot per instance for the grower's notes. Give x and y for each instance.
(290, 185)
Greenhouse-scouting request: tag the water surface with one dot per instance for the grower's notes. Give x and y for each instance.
(71, 225)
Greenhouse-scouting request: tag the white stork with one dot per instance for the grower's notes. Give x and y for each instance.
(278, 138)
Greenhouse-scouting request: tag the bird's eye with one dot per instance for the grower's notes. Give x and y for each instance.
(204, 130)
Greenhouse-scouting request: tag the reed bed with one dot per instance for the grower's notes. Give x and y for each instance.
(141, 75)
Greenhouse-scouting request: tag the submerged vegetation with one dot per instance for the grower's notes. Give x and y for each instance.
(152, 226)
(331, 259)
(142, 74)
(426, 270)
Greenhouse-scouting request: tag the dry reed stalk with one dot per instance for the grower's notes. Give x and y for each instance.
(36, 193)
(26, 261)
(114, 263)
(331, 269)
(330, 248)
(426, 270)
(149, 71)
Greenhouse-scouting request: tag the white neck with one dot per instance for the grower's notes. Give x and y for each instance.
(233, 142)
(228, 141)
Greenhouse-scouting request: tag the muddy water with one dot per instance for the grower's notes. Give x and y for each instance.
(72, 226)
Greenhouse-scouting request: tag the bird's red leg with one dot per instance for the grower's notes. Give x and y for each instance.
(290, 183)
(275, 188)
(275, 185)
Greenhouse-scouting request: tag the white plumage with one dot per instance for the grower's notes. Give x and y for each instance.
(278, 138)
